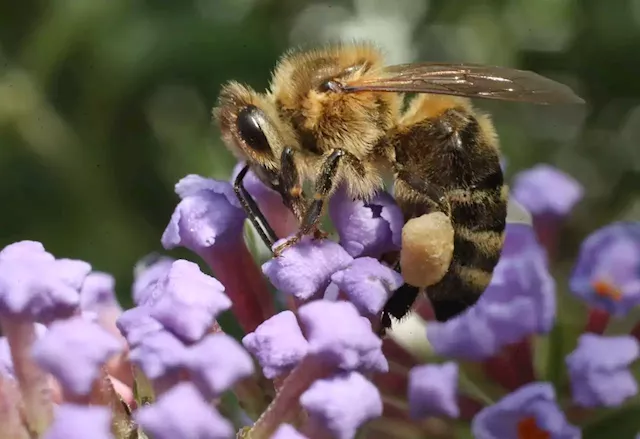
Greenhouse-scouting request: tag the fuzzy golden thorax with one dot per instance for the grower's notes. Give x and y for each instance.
(323, 119)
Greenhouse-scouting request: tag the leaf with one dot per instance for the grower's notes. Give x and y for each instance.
(622, 423)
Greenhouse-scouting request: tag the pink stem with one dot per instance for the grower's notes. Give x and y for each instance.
(33, 381)
(469, 407)
(244, 283)
(499, 369)
(597, 321)
(635, 331)
(10, 416)
(285, 408)
(521, 359)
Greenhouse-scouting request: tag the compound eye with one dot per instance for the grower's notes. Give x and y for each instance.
(329, 86)
(248, 125)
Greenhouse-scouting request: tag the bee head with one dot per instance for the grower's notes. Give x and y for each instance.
(249, 126)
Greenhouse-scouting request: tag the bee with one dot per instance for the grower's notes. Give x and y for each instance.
(337, 115)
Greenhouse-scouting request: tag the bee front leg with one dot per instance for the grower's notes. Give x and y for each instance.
(324, 186)
(253, 211)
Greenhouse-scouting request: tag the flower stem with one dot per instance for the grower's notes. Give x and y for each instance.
(33, 381)
(286, 407)
(597, 321)
(234, 267)
(10, 419)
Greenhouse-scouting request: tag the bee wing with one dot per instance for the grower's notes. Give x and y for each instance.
(469, 80)
(517, 214)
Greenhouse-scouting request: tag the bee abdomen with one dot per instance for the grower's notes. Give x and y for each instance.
(479, 220)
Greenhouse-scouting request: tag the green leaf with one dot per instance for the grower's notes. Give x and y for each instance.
(622, 423)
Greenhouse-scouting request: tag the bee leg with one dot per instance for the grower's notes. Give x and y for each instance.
(313, 211)
(291, 188)
(434, 195)
(398, 305)
(253, 211)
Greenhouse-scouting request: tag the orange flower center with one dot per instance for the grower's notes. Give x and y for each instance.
(606, 289)
(528, 429)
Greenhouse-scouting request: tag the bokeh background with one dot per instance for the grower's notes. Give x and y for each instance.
(105, 104)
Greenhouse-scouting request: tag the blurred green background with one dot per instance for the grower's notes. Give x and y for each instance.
(105, 104)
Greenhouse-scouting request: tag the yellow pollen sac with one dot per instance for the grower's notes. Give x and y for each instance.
(427, 249)
(528, 429)
(606, 289)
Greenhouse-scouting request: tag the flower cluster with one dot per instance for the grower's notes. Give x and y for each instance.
(527, 361)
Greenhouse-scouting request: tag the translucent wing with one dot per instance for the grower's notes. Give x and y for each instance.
(469, 80)
(517, 214)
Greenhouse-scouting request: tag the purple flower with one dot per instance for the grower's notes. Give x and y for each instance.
(530, 411)
(433, 390)
(520, 238)
(209, 214)
(158, 354)
(80, 422)
(342, 403)
(278, 344)
(520, 301)
(6, 361)
(217, 363)
(135, 324)
(147, 273)
(338, 333)
(74, 351)
(183, 413)
(37, 287)
(368, 284)
(98, 291)
(187, 301)
(367, 229)
(607, 273)
(306, 268)
(547, 191)
(599, 370)
(28, 251)
(286, 431)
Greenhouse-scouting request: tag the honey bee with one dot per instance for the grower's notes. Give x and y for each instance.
(336, 115)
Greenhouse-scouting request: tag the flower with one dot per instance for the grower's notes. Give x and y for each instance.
(209, 214)
(158, 354)
(529, 412)
(187, 301)
(342, 403)
(73, 351)
(368, 284)
(278, 344)
(216, 363)
(433, 390)
(546, 191)
(599, 370)
(36, 286)
(306, 268)
(607, 273)
(183, 413)
(209, 221)
(520, 301)
(367, 229)
(135, 324)
(79, 421)
(339, 334)
(286, 431)
(148, 272)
